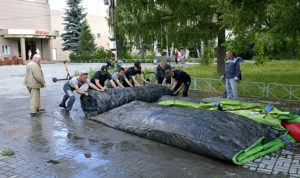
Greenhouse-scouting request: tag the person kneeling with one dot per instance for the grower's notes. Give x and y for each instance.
(182, 80)
(74, 84)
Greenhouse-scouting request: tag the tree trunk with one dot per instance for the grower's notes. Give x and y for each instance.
(142, 52)
(221, 51)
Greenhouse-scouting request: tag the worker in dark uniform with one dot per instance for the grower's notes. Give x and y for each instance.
(182, 80)
(131, 73)
(100, 77)
(160, 74)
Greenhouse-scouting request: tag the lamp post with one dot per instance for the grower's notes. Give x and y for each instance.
(113, 40)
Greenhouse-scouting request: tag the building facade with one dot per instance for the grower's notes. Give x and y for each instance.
(30, 26)
(25, 26)
(98, 25)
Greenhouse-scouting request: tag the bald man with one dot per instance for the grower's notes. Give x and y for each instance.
(231, 75)
(34, 81)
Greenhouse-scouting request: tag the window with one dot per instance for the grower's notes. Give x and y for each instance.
(98, 35)
(6, 49)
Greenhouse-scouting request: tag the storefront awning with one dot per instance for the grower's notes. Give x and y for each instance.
(28, 33)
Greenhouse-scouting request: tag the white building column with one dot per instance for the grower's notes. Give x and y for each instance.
(23, 49)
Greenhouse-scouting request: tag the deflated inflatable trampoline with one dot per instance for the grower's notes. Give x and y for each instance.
(214, 133)
(209, 133)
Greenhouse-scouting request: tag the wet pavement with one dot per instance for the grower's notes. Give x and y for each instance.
(55, 145)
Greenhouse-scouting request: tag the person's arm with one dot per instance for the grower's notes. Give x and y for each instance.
(128, 82)
(237, 71)
(135, 81)
(95, 87)
(175, 83)
(143, 79)
(80, 92)
(99, 85)
(112, 83)
(38, 74)
(181, 86)
(165, 79)
(120, 84)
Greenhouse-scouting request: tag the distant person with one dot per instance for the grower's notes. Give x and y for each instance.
(108, 63)
(231, 75)
(74, 84)
(119, 78)
(182, 80)
(100, 77)
(29, 54)
(131, 73)
(34, 81)
(160, 74)
(176, 57)
(37, 51)
(182, 56)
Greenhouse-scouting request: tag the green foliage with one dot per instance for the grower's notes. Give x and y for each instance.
(74, 15)
(150, 56)
(208, 56)
(87, 44)
(100, 53)
(7, 153)
(259, 49)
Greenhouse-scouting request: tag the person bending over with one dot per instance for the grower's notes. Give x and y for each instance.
(119, 78)
(100, 77)
(182, 80)
(160, 74)
(131, 73)
(74, 84)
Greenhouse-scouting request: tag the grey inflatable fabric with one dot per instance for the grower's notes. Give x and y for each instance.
(99, 102)
(214, 134)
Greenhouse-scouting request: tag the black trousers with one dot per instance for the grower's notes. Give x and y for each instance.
(185, 90)
(160, 80)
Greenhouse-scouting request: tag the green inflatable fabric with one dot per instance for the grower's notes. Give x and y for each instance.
(254, 111)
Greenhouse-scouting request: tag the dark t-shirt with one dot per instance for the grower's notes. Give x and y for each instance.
(181, 76)
(131, 72)
(100, 77)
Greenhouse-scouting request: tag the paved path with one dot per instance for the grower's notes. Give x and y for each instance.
(53, 145)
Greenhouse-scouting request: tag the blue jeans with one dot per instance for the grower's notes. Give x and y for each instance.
(231, 88)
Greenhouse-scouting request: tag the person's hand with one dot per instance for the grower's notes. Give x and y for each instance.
(175, 93)
(222, 78)
(236, 79)
(102, 89)
(147, 82)
(86, 94)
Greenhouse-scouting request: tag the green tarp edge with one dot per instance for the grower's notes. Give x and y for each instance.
(259, 149)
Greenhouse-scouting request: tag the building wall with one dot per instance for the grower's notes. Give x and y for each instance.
(98, 24)
(22, 14)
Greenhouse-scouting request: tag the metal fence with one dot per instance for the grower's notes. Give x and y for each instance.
(250, 89)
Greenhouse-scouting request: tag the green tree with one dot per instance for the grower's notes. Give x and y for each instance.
(276, 21)
(182, 23)
(86, 40)
(74, 15)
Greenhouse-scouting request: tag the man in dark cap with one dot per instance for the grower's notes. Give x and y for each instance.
(100, 77)
(131, 73)
(182, 81)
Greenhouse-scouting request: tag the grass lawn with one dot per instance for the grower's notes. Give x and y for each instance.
(283, 72)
